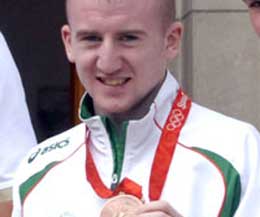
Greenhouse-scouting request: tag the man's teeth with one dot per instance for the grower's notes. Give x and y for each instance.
(114, 82)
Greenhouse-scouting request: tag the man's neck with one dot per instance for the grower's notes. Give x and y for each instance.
(138, 111)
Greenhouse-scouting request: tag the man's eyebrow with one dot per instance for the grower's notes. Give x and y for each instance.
(82, 33)
(248, 1)
(132, 32)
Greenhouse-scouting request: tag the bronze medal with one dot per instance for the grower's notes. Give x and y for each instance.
(120, 206)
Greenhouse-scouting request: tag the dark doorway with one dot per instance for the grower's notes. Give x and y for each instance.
(32, 30)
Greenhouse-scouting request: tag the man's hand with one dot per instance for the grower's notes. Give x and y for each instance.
(6, 204)
(156, 209)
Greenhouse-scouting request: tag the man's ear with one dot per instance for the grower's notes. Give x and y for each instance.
(173, 40)
(66, 38)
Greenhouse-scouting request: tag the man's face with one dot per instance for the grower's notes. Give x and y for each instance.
(120, 49)
(254, 10)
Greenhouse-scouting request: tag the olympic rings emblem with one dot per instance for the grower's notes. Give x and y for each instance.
(175, 119)
(183, 102)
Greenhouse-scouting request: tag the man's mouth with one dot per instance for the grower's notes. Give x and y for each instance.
(114, 81)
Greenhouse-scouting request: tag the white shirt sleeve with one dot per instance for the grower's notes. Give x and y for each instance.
(16, 132)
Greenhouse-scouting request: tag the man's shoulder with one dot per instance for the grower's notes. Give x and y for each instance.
(54, 149)
(213, 127)
(207, 116)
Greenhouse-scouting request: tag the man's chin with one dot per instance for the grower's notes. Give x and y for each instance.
(112, 110)
(116, 112)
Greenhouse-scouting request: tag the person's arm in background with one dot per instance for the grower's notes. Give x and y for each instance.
(5, 202)
(16, 132)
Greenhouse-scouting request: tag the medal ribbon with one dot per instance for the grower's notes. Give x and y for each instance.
(168, 141)
(162, 159)
(127, 186)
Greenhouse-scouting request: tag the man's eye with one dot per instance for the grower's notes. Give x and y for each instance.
(254, 4)
(92, 38)
(128, 38)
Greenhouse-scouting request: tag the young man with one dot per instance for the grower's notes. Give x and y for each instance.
(141, 135)
(16, 132)
(254, 10)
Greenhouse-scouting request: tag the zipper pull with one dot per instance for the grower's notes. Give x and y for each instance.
(114, 181)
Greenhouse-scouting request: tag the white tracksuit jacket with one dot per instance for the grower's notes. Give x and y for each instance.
(215, 169)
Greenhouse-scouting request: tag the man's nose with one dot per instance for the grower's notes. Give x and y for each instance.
(109, 59)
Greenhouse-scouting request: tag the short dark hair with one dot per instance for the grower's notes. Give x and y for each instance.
(168, 8)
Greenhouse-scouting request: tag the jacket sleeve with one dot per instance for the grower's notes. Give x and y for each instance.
(17, 206)
(250, 177)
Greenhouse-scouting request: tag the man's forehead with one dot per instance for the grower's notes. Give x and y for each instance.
(147, 9)
(114, 3)
(110, 1)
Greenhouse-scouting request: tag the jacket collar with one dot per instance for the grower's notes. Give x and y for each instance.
(160, 106)
(139, 135)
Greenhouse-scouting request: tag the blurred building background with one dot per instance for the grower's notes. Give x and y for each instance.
(218, 65)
